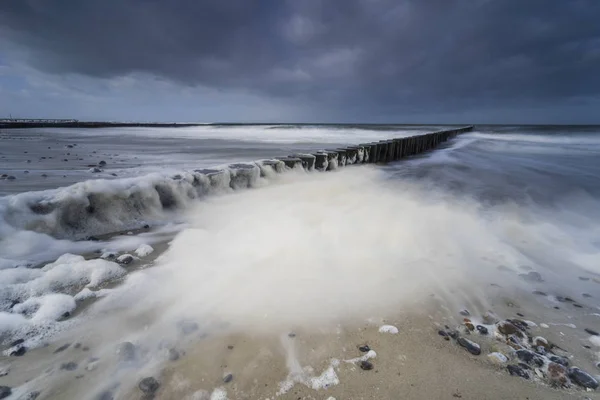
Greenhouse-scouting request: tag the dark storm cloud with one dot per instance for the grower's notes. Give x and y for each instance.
(376, 56)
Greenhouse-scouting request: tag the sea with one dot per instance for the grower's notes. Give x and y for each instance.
(131, 234)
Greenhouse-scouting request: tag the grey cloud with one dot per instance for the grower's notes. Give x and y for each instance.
(368, 56)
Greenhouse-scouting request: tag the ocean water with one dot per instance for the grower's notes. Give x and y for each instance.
(291, 249)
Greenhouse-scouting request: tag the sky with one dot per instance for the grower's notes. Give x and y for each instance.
(376, 61)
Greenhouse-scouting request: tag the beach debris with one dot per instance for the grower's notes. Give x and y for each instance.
(582, 378)
(517, 370)
(5, 391)
(149, 385)
(388, 329)
(70, 366)
(470, 346)
(558, 375)
(228, 378)
(366, 365)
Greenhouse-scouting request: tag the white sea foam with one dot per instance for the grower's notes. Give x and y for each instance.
(144, 250)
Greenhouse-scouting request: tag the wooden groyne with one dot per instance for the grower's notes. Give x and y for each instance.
(381, 152)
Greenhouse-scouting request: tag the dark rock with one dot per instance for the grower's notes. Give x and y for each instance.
(228, 378)
(146, 226)
(464, 313)
(113, 174)
(62, 348)
(173, 355)
(125, 259)
(516, 370)
(92, 238)
(530, 357)
(522, 325)
(587, 295)
(69, 146)
(85, 348)
(126, 351)
(524, 366)
(366, 365)
(292, 335)
(577, 305)
(5, 391)
(532, 276)
(102, 163)
(20, 351)
(453, 334)
(470, 346)
(66, 314)
(149, 385)
(440, 332)
(188, 327)
(520, 315)
(17, 342)
(230, 347)
(106, 395)
(70, 366)
(25, 172)
(77, 345)
(482, 329)
(582, 378)
(591, 332)
(557, 375)
(541, 350)
(95, 170)
(11, 178)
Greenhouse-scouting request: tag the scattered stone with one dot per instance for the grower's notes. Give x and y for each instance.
(173, 355)
(497, 358)
(559, 360)
(516, 370)
(388, 329)
(532, 276)
(539, 341)
(189, 327)
(102, 163)
(228, 378)
(17, 342)
(520, 315)
(366, 365)
(506, 328)
(453, 334)
(582, 378)
(146, 226)
(31, 395)
(126, 351)
(591, 332)
(364, 349)
(149, 385)
(489, 318)
(522, 325)
(470, 326)
(530, 357)
(62, 348)
(20, 351)
(440, 332)
(470, 346)
(482, 329)
(577, 305)
(70, 366)
(464, 313)
(125, 259)
(230, 347)
(5, 391)
(95, 170)
(558, 375)
(11, 178)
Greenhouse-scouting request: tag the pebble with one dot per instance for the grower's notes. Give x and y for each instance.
(516, 370)
(5, 391)
(497, 358)
(506, 328)
(228, 378)
(441, 333)
(582, 378)
(126, 351)
(530, 357)
(125, 259)
(559, 360)
(541, 341)
(17, 342)
(62, 348)
(591, 332)
(470, 346)
(366, 365)
(464, 313)
(532, 276)
(388, 329)
(102, 163)
(149, 385)
(364, 348)
(557, 375)
(482, 329)
(70, 366)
